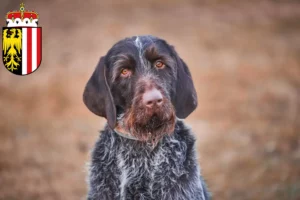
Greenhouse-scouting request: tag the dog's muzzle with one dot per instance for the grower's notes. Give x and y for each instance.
(151, 115)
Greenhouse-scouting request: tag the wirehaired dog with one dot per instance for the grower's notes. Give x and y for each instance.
(145, 152)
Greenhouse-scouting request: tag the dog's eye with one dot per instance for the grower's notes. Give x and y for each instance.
(159, 65)
(125, 72)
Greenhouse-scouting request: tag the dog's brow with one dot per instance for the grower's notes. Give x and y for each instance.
(120, 57)
(152, 53)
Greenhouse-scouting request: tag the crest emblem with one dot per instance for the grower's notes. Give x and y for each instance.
(22, 42)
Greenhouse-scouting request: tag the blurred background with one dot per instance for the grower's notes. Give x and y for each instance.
(244, 57)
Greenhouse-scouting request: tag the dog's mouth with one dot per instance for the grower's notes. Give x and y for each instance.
(148, 124)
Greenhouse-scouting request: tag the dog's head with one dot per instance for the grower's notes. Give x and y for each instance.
(140, 87)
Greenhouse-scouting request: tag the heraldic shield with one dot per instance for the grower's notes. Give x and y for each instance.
(22, 49)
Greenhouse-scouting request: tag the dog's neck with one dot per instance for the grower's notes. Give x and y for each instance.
(123, 133)
(120, 130)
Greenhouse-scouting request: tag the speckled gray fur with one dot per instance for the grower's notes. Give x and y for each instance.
(125, 169)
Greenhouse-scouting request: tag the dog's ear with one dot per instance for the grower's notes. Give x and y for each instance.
(186, 96)
(97, 96)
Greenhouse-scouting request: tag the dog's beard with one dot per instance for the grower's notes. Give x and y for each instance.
(149, 124)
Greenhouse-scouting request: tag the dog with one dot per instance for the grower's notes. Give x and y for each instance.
(145, 152)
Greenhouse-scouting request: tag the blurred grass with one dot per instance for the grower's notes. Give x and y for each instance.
(244, 58)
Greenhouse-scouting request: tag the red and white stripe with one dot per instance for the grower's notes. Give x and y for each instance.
(31, 49)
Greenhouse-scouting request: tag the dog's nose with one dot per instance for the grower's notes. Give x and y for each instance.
(152, 97)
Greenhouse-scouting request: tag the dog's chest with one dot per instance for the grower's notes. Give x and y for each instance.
(148, 173)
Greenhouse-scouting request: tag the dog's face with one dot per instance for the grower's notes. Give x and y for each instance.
(140, 86)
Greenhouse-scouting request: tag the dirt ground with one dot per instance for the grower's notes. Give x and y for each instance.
(244, 59)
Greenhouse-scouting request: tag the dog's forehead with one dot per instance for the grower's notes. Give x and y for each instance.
(142, 42)
(137, 45)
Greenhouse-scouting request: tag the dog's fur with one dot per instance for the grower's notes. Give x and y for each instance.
(143, 153)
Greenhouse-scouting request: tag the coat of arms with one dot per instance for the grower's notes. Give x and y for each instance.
(22, 42)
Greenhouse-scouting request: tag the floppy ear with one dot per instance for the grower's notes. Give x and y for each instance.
(97, 96)
(186, 96)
